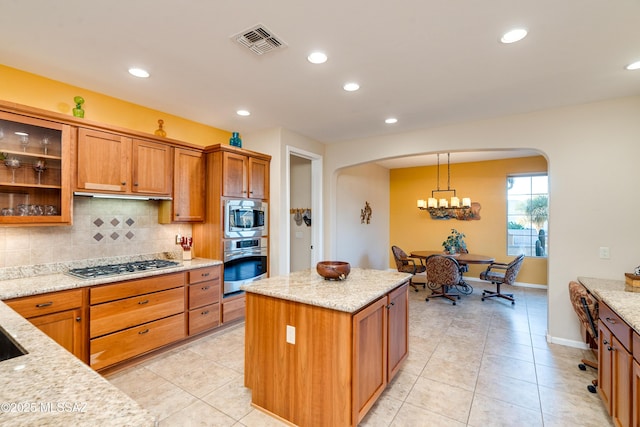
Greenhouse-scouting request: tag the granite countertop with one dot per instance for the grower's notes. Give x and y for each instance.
(360, 288)
(621, 298)
(49, 386)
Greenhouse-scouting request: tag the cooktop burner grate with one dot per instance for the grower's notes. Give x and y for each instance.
(124, 268)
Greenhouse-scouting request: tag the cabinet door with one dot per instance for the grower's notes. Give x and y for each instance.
(103, 161)
(65, 328)
(151, 168)
(398, 312)
(369, 357)
(635, 391)
(258, 178)
(188, 186)
(621, 376)
(234, 170)
(35, 176)
(605, 366)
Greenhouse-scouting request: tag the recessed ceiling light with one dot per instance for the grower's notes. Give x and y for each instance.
(514, 35)
(243, 113)
(350, 87)
(317, 58)
(391, 120)
(139, 72)
(633, 66)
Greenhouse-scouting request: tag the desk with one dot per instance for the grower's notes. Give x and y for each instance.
(461, 258)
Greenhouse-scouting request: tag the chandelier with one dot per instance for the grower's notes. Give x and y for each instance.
(443, 208)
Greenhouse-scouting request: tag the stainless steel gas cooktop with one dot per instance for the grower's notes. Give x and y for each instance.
(124, 268)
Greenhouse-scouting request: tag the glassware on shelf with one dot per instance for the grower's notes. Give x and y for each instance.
(24, 140)
(12, 163)
(45, 142)
(39, 166)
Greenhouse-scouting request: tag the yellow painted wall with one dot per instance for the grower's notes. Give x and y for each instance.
(485, 182)
(40, 92)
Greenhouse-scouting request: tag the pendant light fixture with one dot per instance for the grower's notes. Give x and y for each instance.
(441, 207)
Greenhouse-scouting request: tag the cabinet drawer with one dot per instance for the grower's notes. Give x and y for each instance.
(53, 302)
(125, 313)
(202, 274)
(114, 348)
(204, 293)
(233, 310)
(616, 325)
(101, 294)
(204, 318)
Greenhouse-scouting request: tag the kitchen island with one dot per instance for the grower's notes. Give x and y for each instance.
(321, 352)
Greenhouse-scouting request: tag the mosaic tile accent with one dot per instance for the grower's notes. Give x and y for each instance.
(129, 222)
(129, 235)
(114, 235)
(98, 222)
(115, 222)
(98, 237)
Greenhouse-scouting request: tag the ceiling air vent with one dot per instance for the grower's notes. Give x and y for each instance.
(259, 40)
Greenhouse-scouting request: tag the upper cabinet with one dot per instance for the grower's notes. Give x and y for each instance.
(112, 163)
(188, 189)
(245, 175)
(35, 185)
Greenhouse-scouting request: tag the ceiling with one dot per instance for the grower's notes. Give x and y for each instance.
(425, 62)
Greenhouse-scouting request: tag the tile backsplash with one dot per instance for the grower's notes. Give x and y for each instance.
(101, 228)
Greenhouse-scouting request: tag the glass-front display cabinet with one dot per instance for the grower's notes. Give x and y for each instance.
(34, 171)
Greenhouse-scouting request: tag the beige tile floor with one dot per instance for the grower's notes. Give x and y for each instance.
(474, 364)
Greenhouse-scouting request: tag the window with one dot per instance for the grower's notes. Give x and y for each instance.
(527, 215)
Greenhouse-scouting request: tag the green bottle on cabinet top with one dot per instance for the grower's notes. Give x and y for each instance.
(235, 140)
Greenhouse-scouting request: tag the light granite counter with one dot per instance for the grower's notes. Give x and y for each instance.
(49, 386)
(621, 298)
(361, 287)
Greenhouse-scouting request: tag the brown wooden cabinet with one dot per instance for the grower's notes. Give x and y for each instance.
(114, 163)
(231, 172)
(133, 317)
(615, 366)
(60, 315)
(35, 175)
(188, 202)
(332, 366)
(204, 299)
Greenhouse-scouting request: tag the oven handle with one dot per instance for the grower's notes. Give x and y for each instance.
(230, 256)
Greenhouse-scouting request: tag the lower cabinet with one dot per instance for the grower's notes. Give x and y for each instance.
(131, 318)
(312, 365)
(233, 308)
(60, 315)
(615, 365)
(204, 299)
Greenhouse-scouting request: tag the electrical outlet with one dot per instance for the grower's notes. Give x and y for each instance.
(291, 334)
(178, 239)
(604, 252)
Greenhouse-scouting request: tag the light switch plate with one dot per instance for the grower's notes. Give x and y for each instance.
(604, 252)
(291, 334)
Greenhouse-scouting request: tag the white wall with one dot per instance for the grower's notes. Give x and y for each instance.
(356, 241)
(592, 150)
(300, 198)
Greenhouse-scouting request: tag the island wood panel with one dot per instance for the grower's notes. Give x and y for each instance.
(309, 382)
(398, 325)
(369, 357)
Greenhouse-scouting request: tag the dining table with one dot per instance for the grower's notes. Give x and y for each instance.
(462, 258)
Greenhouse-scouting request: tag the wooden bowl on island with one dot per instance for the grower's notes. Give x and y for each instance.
(333, 270)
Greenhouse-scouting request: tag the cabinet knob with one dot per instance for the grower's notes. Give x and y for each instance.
(177, 214)
(123, 183)
(135, 184)
(78, 319)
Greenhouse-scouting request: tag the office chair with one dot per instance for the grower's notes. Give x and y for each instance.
(443, 273)
(511, 270)
(587, 310)
(407, 264)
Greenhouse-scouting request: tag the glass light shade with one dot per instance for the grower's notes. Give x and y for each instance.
(466, 202)
(455, 202)
(433, 203)
(443, 203)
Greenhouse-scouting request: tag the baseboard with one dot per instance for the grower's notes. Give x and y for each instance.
(569, 343)
(520, 284)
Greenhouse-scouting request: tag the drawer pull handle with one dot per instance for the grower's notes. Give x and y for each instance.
(204, 313)
(610, 320)
(144, 332)
(205, 274)
(45, 304)
(143, 302)
(204, 288)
